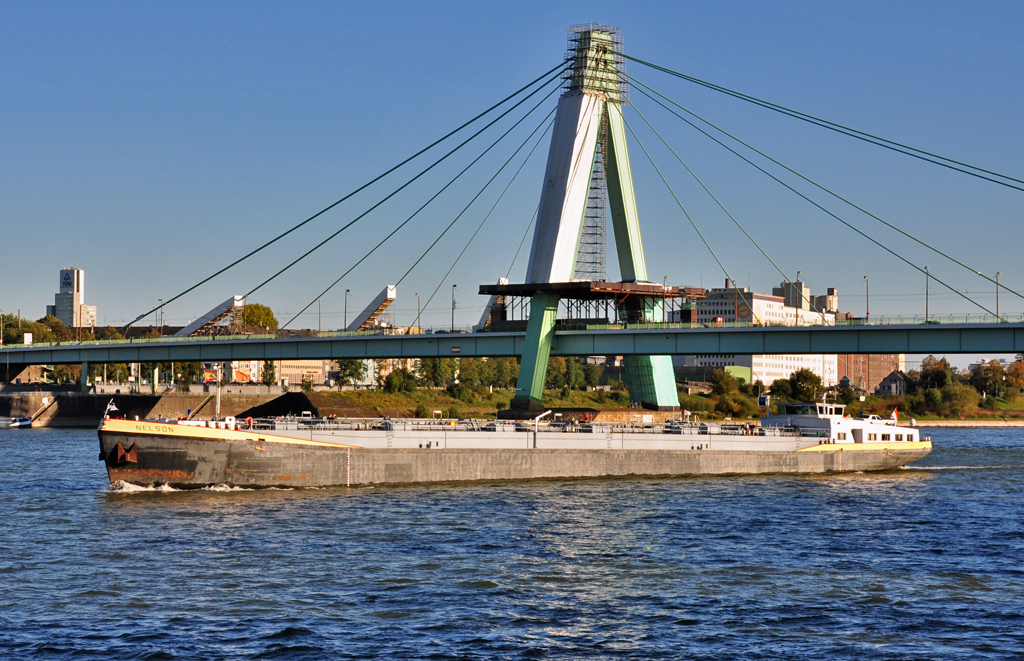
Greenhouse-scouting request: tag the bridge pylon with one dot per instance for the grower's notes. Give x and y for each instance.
(589, 118)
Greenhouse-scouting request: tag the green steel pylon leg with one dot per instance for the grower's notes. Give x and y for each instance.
(540, 331)
(651, 380)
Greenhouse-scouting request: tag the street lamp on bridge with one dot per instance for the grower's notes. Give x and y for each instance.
(997, 293)
(867, 300)
(927, 287)
(453, 307)
(346, 308)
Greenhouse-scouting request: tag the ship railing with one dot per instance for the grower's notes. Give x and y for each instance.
(672, 427)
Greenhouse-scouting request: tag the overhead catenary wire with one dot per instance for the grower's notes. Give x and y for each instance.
(687, 214)
(833, 215)
(402, 187)
(525, 234)
(431, 199)
(454, 220)
(485, 219)
(892, 145)
(731, 217)
(817, 185)
(347, 196)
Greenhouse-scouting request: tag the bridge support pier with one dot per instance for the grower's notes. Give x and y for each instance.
(540, 331)
(84, 379)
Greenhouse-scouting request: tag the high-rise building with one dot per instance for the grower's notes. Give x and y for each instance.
(69, 303)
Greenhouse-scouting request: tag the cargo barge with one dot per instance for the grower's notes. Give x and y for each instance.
(323, 452)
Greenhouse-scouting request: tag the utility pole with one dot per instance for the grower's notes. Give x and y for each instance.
(453, 307)
(997, 293)
(346, 308)
(927, 288)
(664, 287)
(867, 300)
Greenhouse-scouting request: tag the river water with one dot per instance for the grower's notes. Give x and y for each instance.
(925, 562)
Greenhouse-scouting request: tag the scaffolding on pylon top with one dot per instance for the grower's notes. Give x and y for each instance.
(594, 61)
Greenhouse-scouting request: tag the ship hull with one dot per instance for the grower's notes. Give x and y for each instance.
(174, 458)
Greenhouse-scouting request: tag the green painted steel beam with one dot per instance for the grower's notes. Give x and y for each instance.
(932, 338)
(622, 200)
(540, 331)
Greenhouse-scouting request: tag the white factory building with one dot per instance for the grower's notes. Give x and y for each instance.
(790, 304)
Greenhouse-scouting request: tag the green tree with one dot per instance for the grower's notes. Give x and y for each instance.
(67, 373)
(269, 373)
(188, 372)
(108, 333)
(781, 389)
(256, 314)
(555, 377)
(476, 371)
(506, 372)
(117, 372)
(400, 380)
(350, 371)
(935, 373)
(805, 385)
(592, 375)
(988, 378)
(59, 331)
(1015, 374)
(959, 399)
(932, 399)
(574, 375)
(436, 372)
(723, 383)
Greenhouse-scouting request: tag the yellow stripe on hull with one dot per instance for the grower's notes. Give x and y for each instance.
(853, 447)
(149, 428)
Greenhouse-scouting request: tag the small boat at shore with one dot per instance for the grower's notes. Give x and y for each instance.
(319, 452)
(14, 423)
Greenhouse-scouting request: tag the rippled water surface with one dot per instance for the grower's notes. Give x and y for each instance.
(926, 562)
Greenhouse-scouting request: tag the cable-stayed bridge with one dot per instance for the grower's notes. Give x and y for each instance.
(588, 182)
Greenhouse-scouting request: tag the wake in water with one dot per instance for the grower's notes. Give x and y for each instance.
(121, 486)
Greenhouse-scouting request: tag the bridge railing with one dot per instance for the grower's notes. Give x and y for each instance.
(563, 325)
(894, 320)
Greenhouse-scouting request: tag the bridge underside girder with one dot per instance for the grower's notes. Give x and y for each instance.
(978, 339)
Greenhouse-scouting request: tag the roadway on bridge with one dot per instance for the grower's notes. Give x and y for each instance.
(982, 339)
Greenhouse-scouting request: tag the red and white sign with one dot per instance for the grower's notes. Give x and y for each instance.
(456, 350)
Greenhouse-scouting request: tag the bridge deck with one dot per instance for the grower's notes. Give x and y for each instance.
(932, 338)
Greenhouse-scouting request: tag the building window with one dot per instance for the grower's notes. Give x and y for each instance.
(886, 437)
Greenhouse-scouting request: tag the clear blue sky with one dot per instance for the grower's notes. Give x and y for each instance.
(151, 144)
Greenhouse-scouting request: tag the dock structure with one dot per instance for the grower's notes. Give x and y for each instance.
(588, 148)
